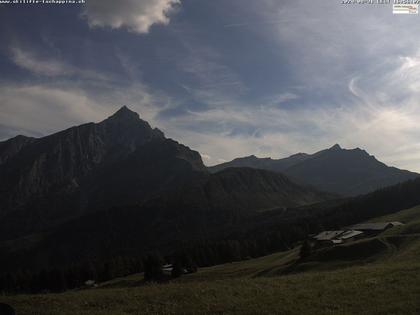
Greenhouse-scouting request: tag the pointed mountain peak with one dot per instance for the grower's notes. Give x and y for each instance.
(336, 147)
(127, 125)
(125, 113)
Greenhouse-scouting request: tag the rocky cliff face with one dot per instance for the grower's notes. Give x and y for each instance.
(119, 160)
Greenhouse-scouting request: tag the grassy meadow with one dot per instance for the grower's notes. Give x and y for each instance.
(380, 275)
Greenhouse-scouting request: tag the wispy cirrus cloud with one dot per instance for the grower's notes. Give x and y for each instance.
(30, 62)
(49, 66)
(380, 115)
(357, 71)
(211, 81)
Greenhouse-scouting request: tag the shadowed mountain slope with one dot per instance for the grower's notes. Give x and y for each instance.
(11, 147)
(336, 170)
(120, 162)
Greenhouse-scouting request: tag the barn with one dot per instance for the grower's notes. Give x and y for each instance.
(375, 228)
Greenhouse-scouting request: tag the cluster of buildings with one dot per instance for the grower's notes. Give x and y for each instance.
(352, 233)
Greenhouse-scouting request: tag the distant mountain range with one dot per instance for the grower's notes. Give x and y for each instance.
(335, 170)
(120, 187)
(122, 161)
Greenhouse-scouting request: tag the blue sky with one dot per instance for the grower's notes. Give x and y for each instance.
(228, 78)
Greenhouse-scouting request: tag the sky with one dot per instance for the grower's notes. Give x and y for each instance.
(228, 78)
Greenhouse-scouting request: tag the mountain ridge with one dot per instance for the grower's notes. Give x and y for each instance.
(72, 172)
(348, 172)
(120, 161)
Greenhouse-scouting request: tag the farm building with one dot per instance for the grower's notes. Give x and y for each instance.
(351, 235)
(374, 228)
(167, 269)
(327, 236)
(354, 232)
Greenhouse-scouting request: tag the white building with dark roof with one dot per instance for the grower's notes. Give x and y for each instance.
(375, 228)
(353, 233)
(327, 235)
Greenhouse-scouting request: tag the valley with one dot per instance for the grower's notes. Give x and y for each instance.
(104, 203)
(382, 282)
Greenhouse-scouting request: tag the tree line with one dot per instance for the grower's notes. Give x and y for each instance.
(192, 256)
(254, 237)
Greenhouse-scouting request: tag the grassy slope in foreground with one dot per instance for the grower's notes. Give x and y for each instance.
(386, 283)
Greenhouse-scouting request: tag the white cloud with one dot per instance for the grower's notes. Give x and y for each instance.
(45, 109)
(47, 66)
(30, 62)
(135, 15)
